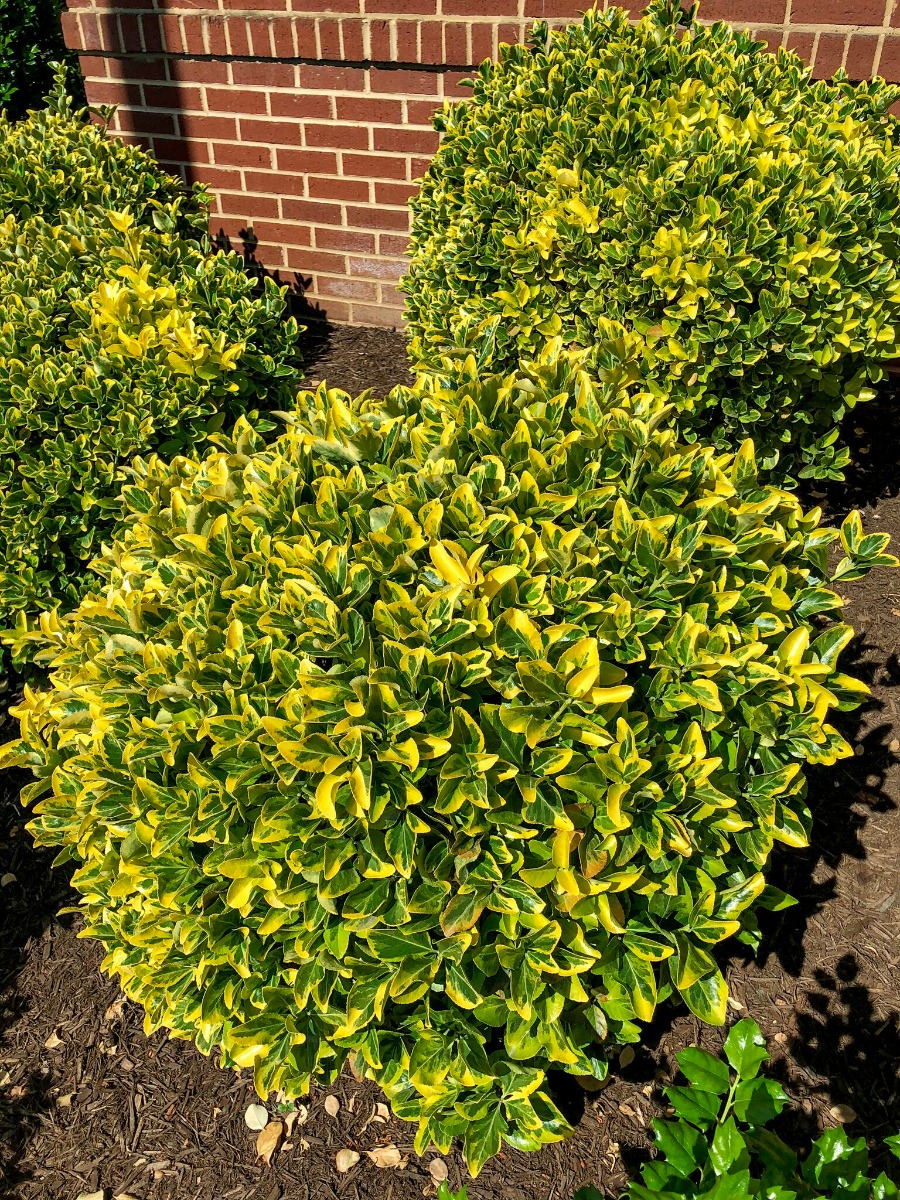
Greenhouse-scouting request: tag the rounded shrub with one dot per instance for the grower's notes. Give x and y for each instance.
(693, 210)
(121, 332)
(448, 734)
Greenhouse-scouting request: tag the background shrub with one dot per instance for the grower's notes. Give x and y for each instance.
(696, 211)
(450, 733)
(121, 332)
(31, 43)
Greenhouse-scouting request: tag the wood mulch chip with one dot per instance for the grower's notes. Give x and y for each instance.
(88, 1103)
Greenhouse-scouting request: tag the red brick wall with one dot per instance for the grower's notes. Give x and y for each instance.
(312, 123)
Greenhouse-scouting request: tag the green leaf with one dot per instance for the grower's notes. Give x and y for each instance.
(728, 1148)
(704, 1070)
(707, 998)
(759, 1101)
(695, 1105)
(482, 1140)
(745, 1048)
(684, 1146)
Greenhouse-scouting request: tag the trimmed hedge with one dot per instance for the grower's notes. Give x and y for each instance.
(121, 333)
(449, 734)
(694, 210)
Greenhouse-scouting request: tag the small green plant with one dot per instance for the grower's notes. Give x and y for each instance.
(447, 734)
(122, 332)
(444, 1193)
(698, 213)
(719, 1147)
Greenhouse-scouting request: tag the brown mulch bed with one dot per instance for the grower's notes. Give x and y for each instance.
(88, 1103)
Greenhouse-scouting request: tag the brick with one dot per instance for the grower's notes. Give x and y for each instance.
(275, 185)
(802, 44)
(314, 261)
(345, 239)
(241, 155)
(130, 33)
(347, 289)
(548, 9)
(263, 74)
(421, 112)
(174, 96)
(178, 150)
(482, 43)
(381, 318)
(391, 245)
(377, 218)
(456, 43)
(199, 72)
(418, 167)
(416, 82)
(140, 121)
(409, 8)
(221, 178)
(341, 137)
(390, 295)
(283, 37)
(329, 34)
(509, 34)
(302, 104)
(405, 141)
(151, 31)
(272, 133)
(374, 166)
(431, 42)
(245, 205)
(837, 12)
(284, 233)
(771, 38)
(889, 64)
(378, 111)
(860, 57)
(829, 53)
(202, 125)
(238, 36)
(352, 41)
(407, 42)
(453, 89)
(260, 34)
(380, 41)
(317, 212)
(104, 92)
(337, 311)
(307, 160)
(235, 100)
(216, 35)
(91, 36)
(741, 14)
(332, 79)
(376, 268)
(356, 190)
(71, 30)
(394, 193)
(192, 36)
(346, 6)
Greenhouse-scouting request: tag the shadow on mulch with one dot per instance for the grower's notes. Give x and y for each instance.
(153, 1118)
(30, 898)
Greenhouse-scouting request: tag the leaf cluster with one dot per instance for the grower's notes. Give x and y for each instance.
(31, 47)
(719, 1147)
(121, 333)
(696, 211)
(448, 734)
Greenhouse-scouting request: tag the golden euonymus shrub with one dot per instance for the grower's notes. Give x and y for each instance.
(450, 733)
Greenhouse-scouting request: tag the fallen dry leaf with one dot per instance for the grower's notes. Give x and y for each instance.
(781, 1038)
(352, 1103)
(386, 1156)
(843, 1113)
(65, 1101)
(626, 1058)
(256, 1117)
(92, 1196)
(114, 1012)
(382, 1111)
(733, 1002)
(345, 1159)
(53, 1041)
(332, 1105)
(7, 879)
(124, 1196)
(268, 1140)
(438, 1170)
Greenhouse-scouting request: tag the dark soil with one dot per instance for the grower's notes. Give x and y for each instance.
(88, 1103)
